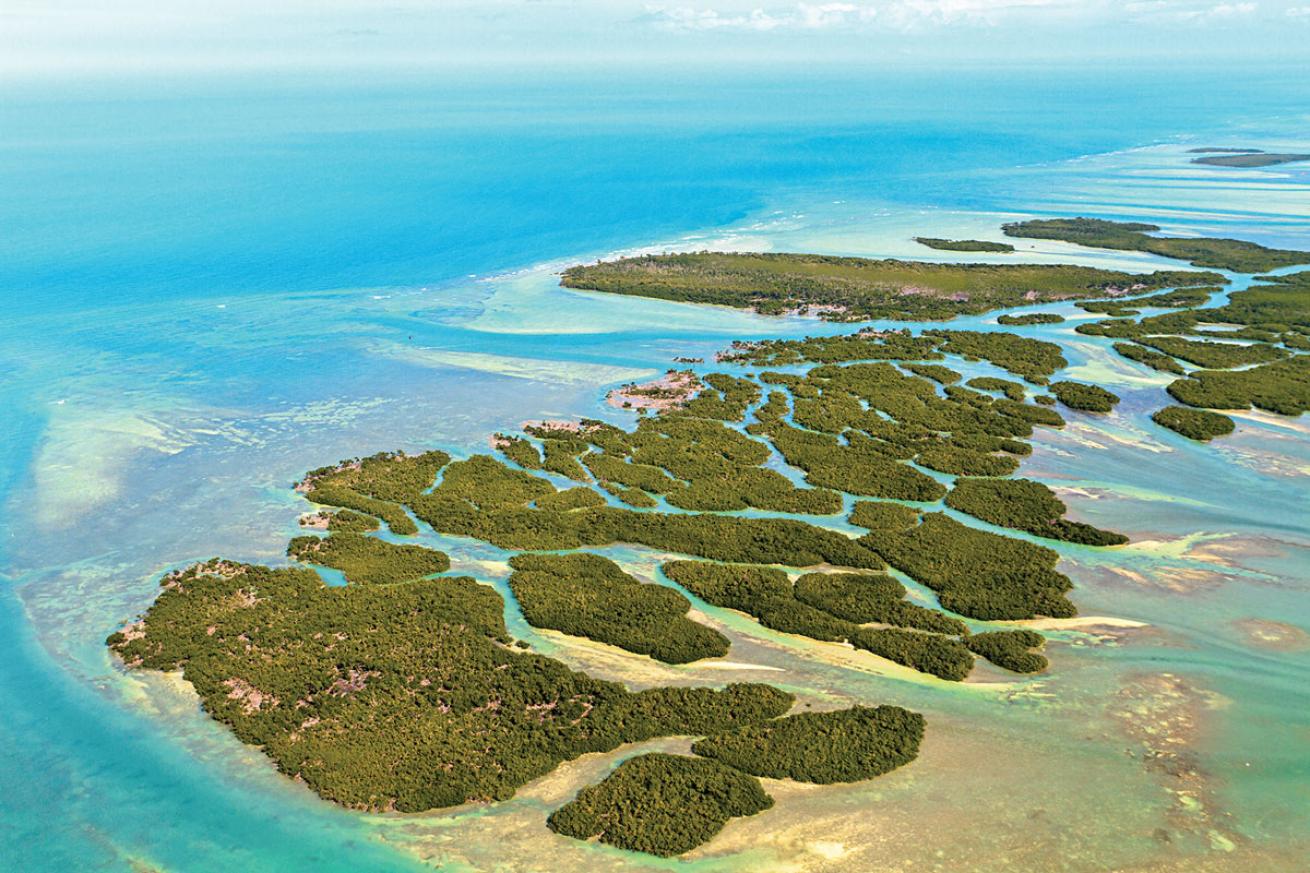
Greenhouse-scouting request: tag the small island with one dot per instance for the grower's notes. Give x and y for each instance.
(1249, 158)
(963, 245)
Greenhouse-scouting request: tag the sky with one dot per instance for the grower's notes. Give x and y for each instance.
(47, 38)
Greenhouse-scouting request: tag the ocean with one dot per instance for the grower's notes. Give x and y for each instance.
(211, 285)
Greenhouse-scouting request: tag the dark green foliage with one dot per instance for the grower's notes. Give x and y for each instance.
(1091, 398)
(1010, 649)
(825, 607)
(1196, 424)
(368, 560)
(723, 397)
(573, 498)
(847, 745)
(863, 346)
(1025, 505)
(634, 497)
(346, 521)
(402, 697)
(1045, 399)
(518, 450)
(661, 804)
(875, 514)
(1224, 254)
(1280, 303)
(856, 469)
(1213, 355)
(1154, 360)
(863, 598)
(376, 485)
(963, 245)
(943, 657)
(560, 456)
(935, 372)
(855, 288)
(1012, 390)
(761, 592)
(1027, 412)
(975, 573)
(1020, 355)
(1282, 387)
(590, 596)
(966, 462)
(1028, 318)
(703, 464)
(504, 519)
(482, 482)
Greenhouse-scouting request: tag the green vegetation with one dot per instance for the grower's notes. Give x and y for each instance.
(518, 450)
(1186, 297)
(404, 697)
(935, 372)
(345, 521)
(1012, 390)
(1010, 649)
(1076, 395)
(1212, 355)
(856, 468)
(975, 573)
(829, 608)
(376, 485)
(1154, 360)
(661, 804)
(1020, 355)
(862, 598)
(764, 593)
(1224, 254)
(573, 498)
(1282, 387)
(876, 515)
(590, 596)
(848, 745)
(1194, 424)
(482, 498)
(1025, 505)
(368, 560)
(963, 245)
(863, 346)
(939, 656)
(1028, 318)
(848, 289)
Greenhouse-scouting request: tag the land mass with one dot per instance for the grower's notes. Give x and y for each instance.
(963, 245)
(403, 690)
(1249, 159)
(854, 289)
(1216, 253)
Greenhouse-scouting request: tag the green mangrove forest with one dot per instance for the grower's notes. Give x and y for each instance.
(790, 493)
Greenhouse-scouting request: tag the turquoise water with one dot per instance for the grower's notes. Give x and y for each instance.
(212, 286)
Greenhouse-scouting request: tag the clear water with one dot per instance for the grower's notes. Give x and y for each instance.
(211, 286)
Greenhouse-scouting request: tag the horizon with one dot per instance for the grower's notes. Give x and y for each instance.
(72, 39)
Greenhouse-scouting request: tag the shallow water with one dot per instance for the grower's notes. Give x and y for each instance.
(202, 305)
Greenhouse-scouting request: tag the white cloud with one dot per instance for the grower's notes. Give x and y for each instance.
(896, 14)
(1162, 10)
(687, 18)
